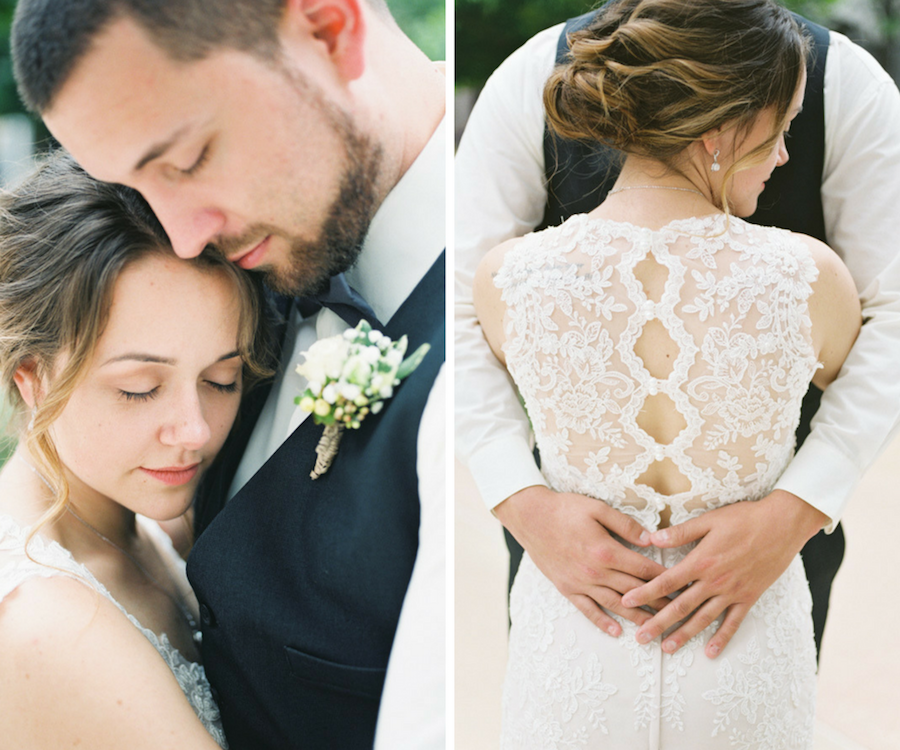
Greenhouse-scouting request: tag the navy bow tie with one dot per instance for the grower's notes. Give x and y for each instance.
(343, 300)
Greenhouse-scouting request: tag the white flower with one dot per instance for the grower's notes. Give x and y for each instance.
(349, 375)
(325, 359)
(350, 391)
(357, 370)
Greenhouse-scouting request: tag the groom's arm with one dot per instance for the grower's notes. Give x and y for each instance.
(860, 411)
(500, 193)
(412, 710)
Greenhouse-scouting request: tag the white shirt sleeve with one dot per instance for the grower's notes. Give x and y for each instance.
(500, 193)
(412, 710)
(860, 411)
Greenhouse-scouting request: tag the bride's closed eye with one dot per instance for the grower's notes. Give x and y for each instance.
(145, 396)
(225, 387)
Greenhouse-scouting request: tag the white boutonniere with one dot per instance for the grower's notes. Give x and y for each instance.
(349, 377)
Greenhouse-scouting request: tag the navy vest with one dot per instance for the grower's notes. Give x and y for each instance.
(301, 582)
(579, 174)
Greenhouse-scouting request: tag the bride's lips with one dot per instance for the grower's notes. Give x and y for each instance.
(173, 475)
(252, 257)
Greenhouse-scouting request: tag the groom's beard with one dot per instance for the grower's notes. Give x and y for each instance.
(311, 263)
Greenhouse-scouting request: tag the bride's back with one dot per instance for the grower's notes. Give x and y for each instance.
(661, 369)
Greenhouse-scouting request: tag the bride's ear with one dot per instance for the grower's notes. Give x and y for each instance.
(711, 141)
(28, 382)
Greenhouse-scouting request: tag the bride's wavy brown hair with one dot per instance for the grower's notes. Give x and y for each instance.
(650, 77)
(64, 240)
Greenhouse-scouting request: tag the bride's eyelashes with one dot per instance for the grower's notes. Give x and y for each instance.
(145, 396)
(225, 387)
(154, 392)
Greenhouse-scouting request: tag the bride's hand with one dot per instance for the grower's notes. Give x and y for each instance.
(743, 548)
(569, 538)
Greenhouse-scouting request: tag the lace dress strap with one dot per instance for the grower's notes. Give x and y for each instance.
(48, 558)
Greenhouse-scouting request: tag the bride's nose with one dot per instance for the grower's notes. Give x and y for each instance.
(187, 425)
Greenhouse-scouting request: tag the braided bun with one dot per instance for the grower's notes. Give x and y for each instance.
(652, 76)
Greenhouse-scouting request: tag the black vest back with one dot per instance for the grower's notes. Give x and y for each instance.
(301, 582)
(580, 174)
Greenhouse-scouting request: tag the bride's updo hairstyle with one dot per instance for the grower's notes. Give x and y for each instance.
(64, 240)
(650, 77)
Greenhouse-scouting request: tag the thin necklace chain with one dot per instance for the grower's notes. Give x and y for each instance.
(185, 612)
(654, 187)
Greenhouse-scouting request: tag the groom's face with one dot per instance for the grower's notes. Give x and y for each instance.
(251, 156)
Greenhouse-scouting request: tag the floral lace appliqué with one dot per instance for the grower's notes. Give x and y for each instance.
(733, 304)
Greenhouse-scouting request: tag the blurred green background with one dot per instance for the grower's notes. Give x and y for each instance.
(488, 31)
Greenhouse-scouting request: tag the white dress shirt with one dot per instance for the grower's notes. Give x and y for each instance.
(501, 193)
(405, 238)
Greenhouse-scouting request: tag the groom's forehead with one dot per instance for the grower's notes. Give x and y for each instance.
(128, 101)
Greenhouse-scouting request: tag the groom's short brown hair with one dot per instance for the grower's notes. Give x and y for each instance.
(49, 37)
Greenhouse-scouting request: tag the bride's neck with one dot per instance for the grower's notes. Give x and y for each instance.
(90, 515)
(643, 171)
(648, 193)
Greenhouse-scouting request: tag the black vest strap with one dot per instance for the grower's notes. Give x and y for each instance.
(580, 174)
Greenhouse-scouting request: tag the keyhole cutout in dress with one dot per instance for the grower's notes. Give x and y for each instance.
(659, 417)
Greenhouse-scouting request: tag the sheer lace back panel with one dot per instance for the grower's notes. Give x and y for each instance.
(662, 370)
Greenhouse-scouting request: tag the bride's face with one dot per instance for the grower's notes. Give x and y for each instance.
(748, 184)
(158, 399)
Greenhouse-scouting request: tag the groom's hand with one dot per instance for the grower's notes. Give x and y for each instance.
(569, 538)
(743, 548)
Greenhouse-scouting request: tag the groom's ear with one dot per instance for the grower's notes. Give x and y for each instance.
(28, 382)
(338, 27)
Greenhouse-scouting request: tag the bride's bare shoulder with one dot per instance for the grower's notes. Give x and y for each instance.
(488, 297)
(73, 666)
(834, 310)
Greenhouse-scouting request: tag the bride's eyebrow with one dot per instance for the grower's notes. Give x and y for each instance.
(154, 359)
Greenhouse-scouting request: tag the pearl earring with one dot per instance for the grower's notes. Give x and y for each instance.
(715, 166)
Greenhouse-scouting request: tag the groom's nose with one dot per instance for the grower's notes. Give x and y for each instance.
(190, 228)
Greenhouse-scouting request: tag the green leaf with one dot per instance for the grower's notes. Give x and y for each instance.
(412, 361)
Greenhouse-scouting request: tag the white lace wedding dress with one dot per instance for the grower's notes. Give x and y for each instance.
(51, 559)
(734, 307)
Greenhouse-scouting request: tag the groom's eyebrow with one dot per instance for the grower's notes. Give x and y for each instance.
(158, 149)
